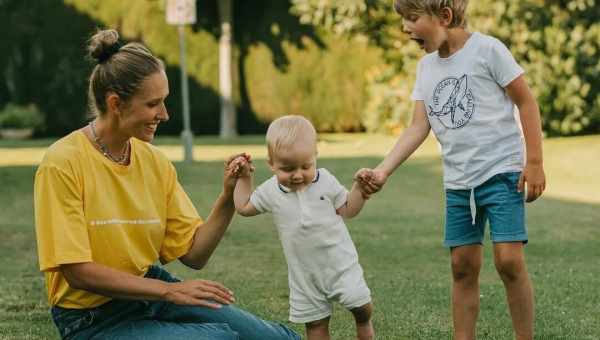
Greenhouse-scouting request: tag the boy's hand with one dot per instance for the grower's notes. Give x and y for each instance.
(370, 181)
(534, 176)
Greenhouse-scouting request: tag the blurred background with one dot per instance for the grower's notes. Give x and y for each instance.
(347, 66)
(344, 64)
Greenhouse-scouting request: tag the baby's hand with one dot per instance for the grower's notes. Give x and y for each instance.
(241, 166)
(363, 178)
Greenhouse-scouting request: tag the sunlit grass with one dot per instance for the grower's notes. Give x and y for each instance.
(398, 236)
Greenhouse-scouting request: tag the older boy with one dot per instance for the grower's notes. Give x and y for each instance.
(466, 89)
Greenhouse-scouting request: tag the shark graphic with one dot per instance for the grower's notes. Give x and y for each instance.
(456, 99)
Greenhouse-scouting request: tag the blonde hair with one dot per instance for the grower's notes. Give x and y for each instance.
(288, 130)
(119, 68)
(406, 8)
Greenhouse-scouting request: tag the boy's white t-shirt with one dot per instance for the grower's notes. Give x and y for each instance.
(319, 251)
(469, 111)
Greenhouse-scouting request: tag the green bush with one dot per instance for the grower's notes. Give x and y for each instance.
(328, 86)
(558, 44)
(360, 80)
(387, 109)
(556, 41)
(21, 117)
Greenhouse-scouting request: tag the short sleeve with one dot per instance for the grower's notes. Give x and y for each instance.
(182, 221)
(61, 230)
(339, 194)
(260, 198)
(417, 93)
(501, 63)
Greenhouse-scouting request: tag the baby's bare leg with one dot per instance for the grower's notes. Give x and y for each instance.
(364, 327)
(318, 330)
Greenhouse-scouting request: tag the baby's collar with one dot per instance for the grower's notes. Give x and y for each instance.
(287, 190)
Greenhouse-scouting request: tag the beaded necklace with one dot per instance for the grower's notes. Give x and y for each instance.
(104, 149)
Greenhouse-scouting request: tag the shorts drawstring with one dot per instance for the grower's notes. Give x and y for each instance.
(472, 205)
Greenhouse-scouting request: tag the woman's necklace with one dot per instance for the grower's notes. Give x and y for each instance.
(121, 159)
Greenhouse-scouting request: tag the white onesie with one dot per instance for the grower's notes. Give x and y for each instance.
(322, 260)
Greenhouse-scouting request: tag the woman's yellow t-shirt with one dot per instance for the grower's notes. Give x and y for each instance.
(88, 208)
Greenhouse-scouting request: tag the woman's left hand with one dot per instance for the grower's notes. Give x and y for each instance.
(198, 293)
(231, 172)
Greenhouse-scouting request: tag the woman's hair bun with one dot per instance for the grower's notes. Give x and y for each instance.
(103, 45)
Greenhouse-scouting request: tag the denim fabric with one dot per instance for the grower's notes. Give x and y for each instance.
(132, 319)
(496, 200)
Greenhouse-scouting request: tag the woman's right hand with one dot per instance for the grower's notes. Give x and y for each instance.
(199, 293)
(241, 165)
(231, 171)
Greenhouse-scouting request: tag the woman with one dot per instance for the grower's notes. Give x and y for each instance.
(108, 205)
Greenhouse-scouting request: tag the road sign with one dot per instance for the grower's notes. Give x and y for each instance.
(181, 12)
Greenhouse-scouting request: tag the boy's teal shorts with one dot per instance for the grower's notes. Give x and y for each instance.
(496, 200)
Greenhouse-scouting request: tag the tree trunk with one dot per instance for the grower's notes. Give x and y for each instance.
(228, 126)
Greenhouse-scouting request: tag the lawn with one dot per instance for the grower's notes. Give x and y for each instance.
(398, 236)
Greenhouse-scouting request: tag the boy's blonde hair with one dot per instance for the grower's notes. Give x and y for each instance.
(406, 8)
(286, 131)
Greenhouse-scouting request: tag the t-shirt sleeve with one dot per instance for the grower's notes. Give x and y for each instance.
(61, 229)
(501, 63)
(182, 221)
(260, 198)
(339, 194)
(417, 93)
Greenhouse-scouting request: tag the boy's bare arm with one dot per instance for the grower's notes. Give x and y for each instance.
(354, 203)
(533, 174)
(408, 142)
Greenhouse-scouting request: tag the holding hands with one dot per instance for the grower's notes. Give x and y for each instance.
(236, 166)
(370, 181)
(241, 165)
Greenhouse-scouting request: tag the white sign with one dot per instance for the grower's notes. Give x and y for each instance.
(181, 12)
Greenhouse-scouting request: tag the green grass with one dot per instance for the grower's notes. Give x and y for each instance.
(399, 240)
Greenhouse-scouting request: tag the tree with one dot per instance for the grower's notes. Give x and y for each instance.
(280, 66)
(214, 31)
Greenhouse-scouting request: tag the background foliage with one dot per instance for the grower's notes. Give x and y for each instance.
(345, 64)
(556, 41)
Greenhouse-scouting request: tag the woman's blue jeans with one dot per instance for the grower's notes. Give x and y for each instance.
(133, 319)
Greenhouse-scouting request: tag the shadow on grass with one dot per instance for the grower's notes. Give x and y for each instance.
(159, 140)
(399, 239)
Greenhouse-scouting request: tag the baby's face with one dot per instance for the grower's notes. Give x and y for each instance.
(295, 167)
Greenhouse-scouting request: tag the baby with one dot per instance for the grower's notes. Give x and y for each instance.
(308, 207)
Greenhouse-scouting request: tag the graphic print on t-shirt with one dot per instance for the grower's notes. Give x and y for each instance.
(453, 103)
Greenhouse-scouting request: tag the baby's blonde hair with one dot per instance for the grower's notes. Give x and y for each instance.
(406, 8)
(288, 130)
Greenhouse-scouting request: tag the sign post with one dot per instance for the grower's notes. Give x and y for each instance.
(180, 13)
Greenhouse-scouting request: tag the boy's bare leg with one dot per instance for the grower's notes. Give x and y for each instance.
(318, 330)
(364, 327)
(510, 263)
(466, 264)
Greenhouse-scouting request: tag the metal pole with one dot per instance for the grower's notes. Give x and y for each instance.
(187, 137)
(228, 117)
